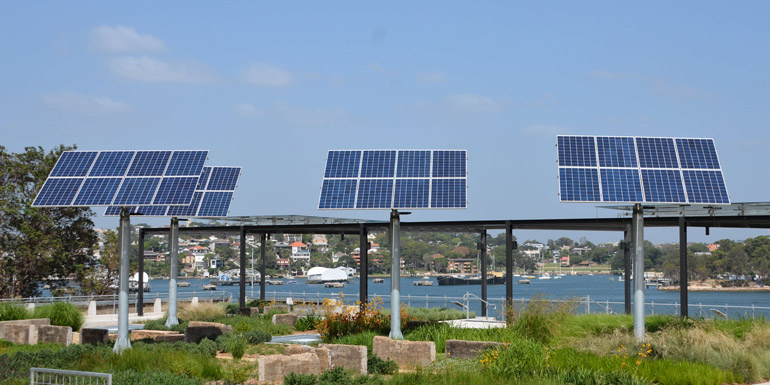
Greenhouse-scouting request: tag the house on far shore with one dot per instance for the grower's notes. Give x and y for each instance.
(587, 263)
(565, 261)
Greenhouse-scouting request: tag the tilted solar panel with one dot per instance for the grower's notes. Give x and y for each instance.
(394, 179)
(639, 169)
(124, 178)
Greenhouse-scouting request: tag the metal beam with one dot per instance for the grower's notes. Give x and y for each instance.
(508, 264)
(173, 241)
(627, 268)
(637, 236)
(483, 262)
(262, 265)
(242, 283)
(140, 293)
(683, 266)
(395, 276)
(123, 343)
(363, 272)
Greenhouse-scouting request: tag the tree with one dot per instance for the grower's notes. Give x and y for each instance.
(101, 276)
(38, 245)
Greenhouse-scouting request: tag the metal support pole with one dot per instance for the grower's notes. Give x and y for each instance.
(242, 274)
(683, 266)
(637, 235)
(483, 261)
(508, 263)
(364, 268)
(140, 293)
(627, 268)
(262, 266)
(123, 342)
(173, 256)
(395, 276)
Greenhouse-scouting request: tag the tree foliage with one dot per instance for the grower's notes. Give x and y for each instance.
(38, 245)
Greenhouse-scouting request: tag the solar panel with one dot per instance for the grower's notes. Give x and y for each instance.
(639, 169)
(122, 178)
(394, 179)
(212, 196)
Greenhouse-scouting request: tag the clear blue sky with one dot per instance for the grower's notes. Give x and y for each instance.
(271, 86)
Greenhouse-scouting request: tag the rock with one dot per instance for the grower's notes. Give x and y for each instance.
(469, 349)
(54, 334)
(292, 349)
(249, 311)
(172, 338)
(350, 357)
(21, 334)
(196, 331)
(149, 334)
(33, 321)
(324, 358)
(285, 319)
(273, 368)
(407, 354)
(94, 336)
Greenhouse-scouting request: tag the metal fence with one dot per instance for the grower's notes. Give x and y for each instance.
(112, 299)
(40, 376)
(496, 306)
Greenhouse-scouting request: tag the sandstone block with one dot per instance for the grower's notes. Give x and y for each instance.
(274, 367)
(324, 358)
(172, 338)
(151, 334)
(350, 357)
(94, 336)
(407, 354)
(34, 321)
(285, 319)
(54, 334)
(21, 334)
(292, 349)
(196, 331)
(469, 349)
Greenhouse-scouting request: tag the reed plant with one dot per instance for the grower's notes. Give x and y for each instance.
(13, 311)
(206, 312)
(61, 314)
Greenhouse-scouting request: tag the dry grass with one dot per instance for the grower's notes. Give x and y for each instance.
(207, 312)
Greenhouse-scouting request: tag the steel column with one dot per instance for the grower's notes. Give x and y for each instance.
(140, 293)
(364, 266)
(483, 261)
(508, 264)
(123, 342)
(262, 266)
(173, 256)
(683, 266)
(627, 268)
(242, 273)
(395, 276)
(637, 235)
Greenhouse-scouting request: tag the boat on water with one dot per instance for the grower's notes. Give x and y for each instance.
(209, 286)
(334, 284)
(182, 284)
(425, 281)
(378, 280)
(545, 275)
(468, 280)
(133, 283)
(324, 275)
(524, 281)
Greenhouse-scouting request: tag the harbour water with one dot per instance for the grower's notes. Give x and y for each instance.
(603, 292)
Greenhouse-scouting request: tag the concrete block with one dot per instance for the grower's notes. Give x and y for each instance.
(194, 302)
(196, 331)
(324, 358)
(21, 334)
(148, 334)
(469, 349)
(33, 321)
(31, 306)
(407, 354)
(171, 338)
(274, 367)
(285, 319)
(157, 306)
(94, 336)
(54, 334)
(350, 357)
(92, 308)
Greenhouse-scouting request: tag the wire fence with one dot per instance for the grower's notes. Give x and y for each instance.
(41, 376)
(112, 299)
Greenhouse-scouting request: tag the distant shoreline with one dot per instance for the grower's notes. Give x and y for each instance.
(711, 288)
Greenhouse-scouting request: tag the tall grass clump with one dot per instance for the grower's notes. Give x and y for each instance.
(440, 333)
(433, 314)
(13, 311)
(61, 314)
(206, 312)
(364, 339)
(539, 319)
(247, 324)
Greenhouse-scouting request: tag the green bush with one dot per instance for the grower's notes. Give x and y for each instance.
(308, 322)
(363, 338)
(246, 324)
(160, 324)
(257, 337)
(16, 364)
(13, 311)
(299, 379)
(131, 377)
(233, 343)
(377, 365)
(61, 314)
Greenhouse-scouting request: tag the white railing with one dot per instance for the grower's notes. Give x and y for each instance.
(40, 376)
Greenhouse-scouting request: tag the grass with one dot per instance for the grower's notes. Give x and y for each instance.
(364, 338)
(433, 314)
(247, 324)
(61, 314)
(206, 312)
(13, 311)
(265, 349)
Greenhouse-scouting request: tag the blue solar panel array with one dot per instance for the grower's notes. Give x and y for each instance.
(212, 197)
(639, 169)
(394, 179)
(122, 178)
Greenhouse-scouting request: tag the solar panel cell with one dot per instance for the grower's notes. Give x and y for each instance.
(413, 164)
(223, 178)
(149, 163)
(176, 191)
(58, 192)
(190, 210)
(697, 153)
(203, 180)
(657, 153)
(343, 164)
(215, 204)
(616, 151)
(705, 186)
(412, 193)
(448, 193)
(97, 192)
(579, 151)
(579, 184)
(378, 164)
(449, 164)
(375, 194)
(112, 163)
(186, 163)
(338, 194)
(74, 163)
(663, 186)
(621, 185)
(136, 191)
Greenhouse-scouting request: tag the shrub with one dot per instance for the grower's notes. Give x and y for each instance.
(13, 311)
(131, 377)
(247, 324)
(232, 308)
(233, 343)
(160, 324)
(257, 337)
(377, 365)
(353, 320)
(540, 318)
(61, 314)
(308, 322)
(207, 312)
